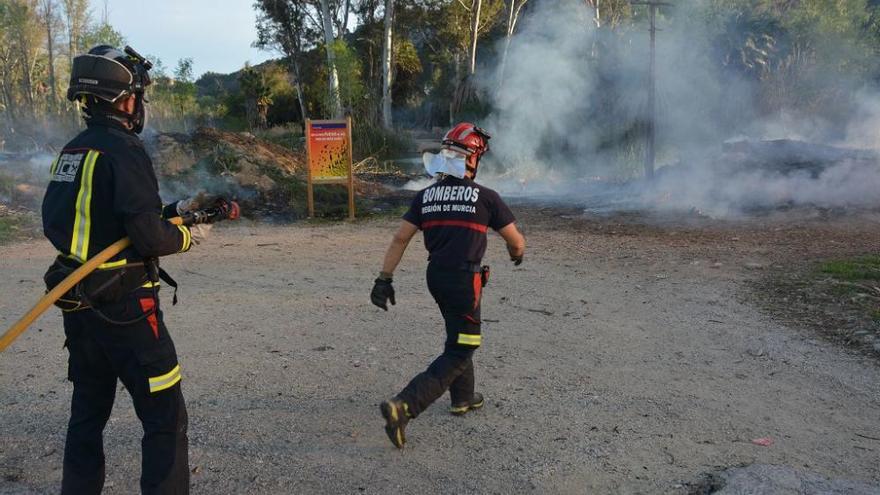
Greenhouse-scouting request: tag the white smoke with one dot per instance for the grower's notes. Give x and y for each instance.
(547, 141)
(23, 177)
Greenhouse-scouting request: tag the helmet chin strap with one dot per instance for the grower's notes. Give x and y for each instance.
(139, 119)
(132, 121)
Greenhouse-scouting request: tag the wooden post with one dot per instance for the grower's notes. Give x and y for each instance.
(351, 212)
(309, 188)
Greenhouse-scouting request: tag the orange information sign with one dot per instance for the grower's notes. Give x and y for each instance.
(329, 152)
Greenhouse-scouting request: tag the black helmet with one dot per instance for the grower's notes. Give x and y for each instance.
(104, 75)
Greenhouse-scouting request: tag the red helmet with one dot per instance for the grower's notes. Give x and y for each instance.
(468, 139)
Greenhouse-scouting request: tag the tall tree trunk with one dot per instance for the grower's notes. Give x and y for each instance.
(344, 28)
(49, 15)
(77, 13)
(8, 99)
(597, 18)
(387, 47)
(299, 90)
(335, 103)
(27, 67)
(475, 32)
(507, 38)
(70, 10)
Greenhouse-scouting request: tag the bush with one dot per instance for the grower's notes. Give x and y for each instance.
(370, 141)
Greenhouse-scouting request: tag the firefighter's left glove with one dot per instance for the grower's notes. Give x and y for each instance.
(200, 232)
(383, 292)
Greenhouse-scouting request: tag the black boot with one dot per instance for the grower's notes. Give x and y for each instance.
(460, 408)
(396, 416)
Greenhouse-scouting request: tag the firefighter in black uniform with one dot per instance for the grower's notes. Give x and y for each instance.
(455, 214)
(103, 188)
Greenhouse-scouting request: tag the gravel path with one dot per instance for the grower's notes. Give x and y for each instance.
(616, 359)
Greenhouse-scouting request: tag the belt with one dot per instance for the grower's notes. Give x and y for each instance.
(464, 267)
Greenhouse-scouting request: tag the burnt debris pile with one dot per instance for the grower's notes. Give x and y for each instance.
(263, 176)
(789, 157)
(267, 179)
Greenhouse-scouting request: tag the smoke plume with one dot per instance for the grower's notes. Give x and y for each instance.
(570, 113)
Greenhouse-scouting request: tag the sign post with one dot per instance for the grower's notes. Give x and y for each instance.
(329, 156)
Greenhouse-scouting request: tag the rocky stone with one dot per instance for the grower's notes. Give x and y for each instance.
(765, 479)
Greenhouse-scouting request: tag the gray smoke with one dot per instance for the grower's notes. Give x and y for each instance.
(553, 135)
(23, 177)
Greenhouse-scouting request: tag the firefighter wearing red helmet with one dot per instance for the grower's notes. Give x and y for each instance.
(455, 214)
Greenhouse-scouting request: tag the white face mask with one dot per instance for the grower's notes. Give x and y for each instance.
(446, 162)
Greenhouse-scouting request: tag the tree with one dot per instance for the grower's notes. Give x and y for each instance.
(387, 44)
(77, 19)
(184, 91)
(335, 103)
(257, 97)
(50, 21)
(515, 7)
(102, 34)
(283, 26)
(24, 33)
(475, 34)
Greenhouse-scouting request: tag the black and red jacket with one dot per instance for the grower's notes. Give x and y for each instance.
(455, 215)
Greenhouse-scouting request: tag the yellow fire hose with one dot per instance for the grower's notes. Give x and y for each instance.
(65, 285)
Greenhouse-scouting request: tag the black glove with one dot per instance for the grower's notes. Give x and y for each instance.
(382, 292)
(517, 260)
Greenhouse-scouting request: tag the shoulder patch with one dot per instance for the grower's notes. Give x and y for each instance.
(67, 166)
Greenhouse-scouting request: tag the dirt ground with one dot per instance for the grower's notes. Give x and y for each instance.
(621, 357)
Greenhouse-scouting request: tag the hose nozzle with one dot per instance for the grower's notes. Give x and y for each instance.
(222, 210)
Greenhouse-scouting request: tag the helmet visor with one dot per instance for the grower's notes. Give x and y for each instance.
(99, 76)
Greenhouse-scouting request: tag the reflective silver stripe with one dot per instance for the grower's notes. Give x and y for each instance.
(167, 380)
(79, 244)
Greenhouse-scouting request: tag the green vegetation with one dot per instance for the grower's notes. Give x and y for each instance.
(15, 227)
(8, 227)
(856, 282)
(838, 298)
(858, 270)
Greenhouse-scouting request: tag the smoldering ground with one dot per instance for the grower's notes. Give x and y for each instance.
(571, 108)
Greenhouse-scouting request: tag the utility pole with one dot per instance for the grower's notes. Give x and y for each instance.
(650, 131)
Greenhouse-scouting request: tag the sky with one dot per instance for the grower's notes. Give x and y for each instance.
(216, 34)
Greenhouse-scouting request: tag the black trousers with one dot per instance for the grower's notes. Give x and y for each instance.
(458, 295)
(142, 357)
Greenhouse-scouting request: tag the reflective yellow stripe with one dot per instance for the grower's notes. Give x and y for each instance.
(150, 285)
(79, 243)
(112, 264)
(168, 380)
(469, 339)
(187, 238)
(52, 167)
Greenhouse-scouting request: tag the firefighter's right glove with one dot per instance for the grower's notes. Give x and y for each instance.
(515, 258)
(382, 293)
(200, 232)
